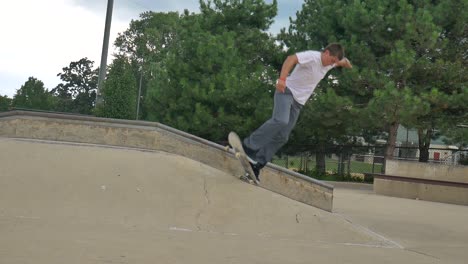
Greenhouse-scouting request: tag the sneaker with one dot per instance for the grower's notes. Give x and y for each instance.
(249, 154)
(256, 169)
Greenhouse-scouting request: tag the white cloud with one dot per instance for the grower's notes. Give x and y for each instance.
(39, 38)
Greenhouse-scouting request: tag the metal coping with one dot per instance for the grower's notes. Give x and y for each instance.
(68, 116)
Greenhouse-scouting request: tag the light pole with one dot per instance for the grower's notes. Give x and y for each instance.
(139, 94)
(105, 48)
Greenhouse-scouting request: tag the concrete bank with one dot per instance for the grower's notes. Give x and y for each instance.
(129, 205)
(156, 136)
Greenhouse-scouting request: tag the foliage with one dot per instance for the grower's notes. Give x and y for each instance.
(77, 92)
(5, 103)
(119, 91)
(395, 46)
(147, 40)
(325, 120)
(446, 92)
(207, 73)
(146, 44)
(212, 72)
(456, 136)
(464, 160)
(33, 95)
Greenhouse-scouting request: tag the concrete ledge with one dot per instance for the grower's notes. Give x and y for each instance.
(423, 190)
(431, 182)
(429, 171)
(423, 181)
(155, 136)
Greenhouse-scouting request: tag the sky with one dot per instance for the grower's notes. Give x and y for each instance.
(40, 37)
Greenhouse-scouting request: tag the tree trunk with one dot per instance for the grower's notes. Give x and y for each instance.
(392, 135)
(424, 139)
(320, 159)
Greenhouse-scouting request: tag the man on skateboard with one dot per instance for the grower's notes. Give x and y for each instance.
(292, 92)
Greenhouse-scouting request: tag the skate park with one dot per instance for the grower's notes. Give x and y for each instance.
(79, 189)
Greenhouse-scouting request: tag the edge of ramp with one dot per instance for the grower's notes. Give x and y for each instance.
(156, 136)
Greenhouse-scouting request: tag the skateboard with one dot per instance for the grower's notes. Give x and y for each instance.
(236, 144)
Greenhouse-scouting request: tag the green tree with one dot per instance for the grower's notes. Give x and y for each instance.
(5, 103)
(77, 92)
(334, 116)
(146, 43)
(215, 71)
(149, 38)
(456, 136)
(443, 92)
(119, 93)
(33, 95)
(389, 42)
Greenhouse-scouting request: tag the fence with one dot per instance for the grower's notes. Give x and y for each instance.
(356, 163)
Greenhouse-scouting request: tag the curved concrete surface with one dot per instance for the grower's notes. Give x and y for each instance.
(156, 136)
(82, 203)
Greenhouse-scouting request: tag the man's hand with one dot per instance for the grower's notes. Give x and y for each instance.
(280, 85)
(288, 64)
(344, 63)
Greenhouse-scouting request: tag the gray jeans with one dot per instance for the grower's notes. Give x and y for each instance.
(264, 142)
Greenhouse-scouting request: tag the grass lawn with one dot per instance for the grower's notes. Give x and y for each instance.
(294, 163)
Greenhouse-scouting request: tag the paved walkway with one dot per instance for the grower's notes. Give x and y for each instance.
(76, 203)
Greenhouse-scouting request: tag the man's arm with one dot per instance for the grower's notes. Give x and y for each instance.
(288, 65)
(344, 63)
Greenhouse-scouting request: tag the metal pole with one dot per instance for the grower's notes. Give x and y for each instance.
(407, 144)
(373, 164)
(105, 48)
(139, 95)
(349, 164)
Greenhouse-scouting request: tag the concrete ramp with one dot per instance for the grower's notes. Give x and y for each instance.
(155, 136)
(86, 190)
(82, 203)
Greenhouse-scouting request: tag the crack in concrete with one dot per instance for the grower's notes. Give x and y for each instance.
(205, 187)
(208, 201)
(385, 241)
(421, 253)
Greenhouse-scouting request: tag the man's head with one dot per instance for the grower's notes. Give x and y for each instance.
(332, 53)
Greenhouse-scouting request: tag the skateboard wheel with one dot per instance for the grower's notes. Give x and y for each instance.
(226, 148)
(246, 179)
(238, 155)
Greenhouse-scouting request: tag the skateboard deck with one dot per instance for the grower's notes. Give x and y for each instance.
(236, 144)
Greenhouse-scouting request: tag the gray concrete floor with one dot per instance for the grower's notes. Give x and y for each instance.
(76, 203)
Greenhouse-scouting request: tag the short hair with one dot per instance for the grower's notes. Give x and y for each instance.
(336, 50)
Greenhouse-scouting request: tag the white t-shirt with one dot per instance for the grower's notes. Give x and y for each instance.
(306, 75)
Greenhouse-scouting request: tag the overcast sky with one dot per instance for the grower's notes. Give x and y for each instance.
(40, 37)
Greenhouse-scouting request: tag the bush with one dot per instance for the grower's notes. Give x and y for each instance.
(333, 176)
(463, 160)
